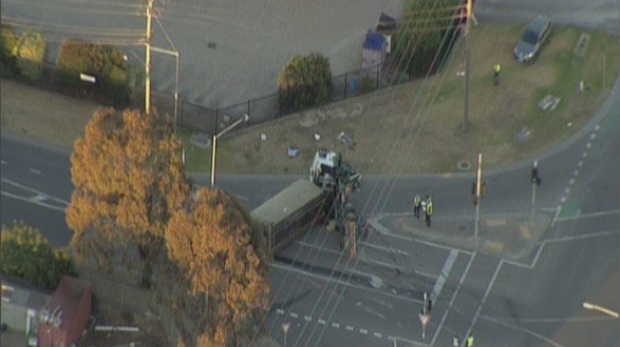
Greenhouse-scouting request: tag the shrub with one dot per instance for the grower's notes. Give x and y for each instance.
(31, 54)
(106, 63)
(305, 82)
(8, 43)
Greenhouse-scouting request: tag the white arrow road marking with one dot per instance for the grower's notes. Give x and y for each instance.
(39, 197)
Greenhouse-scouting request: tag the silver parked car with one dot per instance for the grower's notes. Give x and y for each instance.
(535, 36)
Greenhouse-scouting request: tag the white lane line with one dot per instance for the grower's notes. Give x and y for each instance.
(336, 325)
(385, 249)
(585, 154)
(322, 321)
(445, 272)
(38, 198)
(32, 190)
(456, 293)
(42, 204)
(34, 171)
(588, 215)
(308, 318)
(364, 331)
(588, 145)
(484, 298)
(592, 136)
(294, 315)
(365, 259)
(3, 162)
(580, 163)
(280, 311)
(377, 335)
(582, 237)
(349, 328)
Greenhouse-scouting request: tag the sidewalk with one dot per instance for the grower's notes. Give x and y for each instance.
(509, 236)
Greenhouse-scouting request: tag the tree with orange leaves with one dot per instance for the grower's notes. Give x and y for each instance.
(129, 179)
(221, 253)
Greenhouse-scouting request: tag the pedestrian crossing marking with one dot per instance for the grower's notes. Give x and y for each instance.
(525, 232)
(494, 246)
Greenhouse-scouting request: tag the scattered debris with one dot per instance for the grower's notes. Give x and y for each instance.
(292, 152)
(523, 135)
(317, 136)
(263, 137)
(549, 103)
(582, 45)
(344, 138)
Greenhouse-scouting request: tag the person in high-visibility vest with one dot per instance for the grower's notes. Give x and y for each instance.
(456, 342)
(429, 212)
(496, 70)
(417, 205)
(470, 341)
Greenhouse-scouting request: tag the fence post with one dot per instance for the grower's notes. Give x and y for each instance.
(345, 85)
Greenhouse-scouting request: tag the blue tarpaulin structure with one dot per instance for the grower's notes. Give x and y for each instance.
(373, 54)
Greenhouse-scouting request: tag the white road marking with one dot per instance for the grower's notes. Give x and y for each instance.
(484, 297)
(589, 215)
(294, 315)
(42, 204)
(349, 328)
(322, 321)
(385, 249)
(445, 272)
(456, 292)
(592, 136)
(3, 162)
(336, 325)
(34, 171)
(588, 145)
(308, 318)
(280, 311)
(364, 331)
(392, 266)
(241, 197)
(377, 335)
(580, 163)
(582, 237)
(585, 154)
(38, 198)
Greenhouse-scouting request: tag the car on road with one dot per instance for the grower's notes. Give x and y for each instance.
(535, 36)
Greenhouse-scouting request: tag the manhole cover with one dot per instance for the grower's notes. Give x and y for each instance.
(464, 165)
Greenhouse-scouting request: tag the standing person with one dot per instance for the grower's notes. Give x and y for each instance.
(470, 340)
(417, 205)
(456, 342)
(429, 211)
(496, 70)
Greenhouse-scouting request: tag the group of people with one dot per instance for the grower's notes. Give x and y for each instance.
(426, 206)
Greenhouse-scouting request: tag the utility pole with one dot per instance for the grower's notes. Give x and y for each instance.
(478, 185)
(468, 18)
(147, 91)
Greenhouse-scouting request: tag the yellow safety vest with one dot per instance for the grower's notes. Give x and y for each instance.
(497, 68)
(470, 341)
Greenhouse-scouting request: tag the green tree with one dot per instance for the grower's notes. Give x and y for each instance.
(221, 253)
(26, 254)
(129, 179)
(305, 82)
(425, 33)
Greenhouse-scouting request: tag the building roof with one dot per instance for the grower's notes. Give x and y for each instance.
(67, 299)
(20, 293)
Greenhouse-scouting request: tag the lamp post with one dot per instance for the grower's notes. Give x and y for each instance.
(214, 145)
(175, 54)
(589, 306)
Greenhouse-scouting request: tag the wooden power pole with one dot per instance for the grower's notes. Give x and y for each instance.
(147, 91)
(468, 19)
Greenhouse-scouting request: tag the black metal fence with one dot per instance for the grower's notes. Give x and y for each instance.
(260, 110)
(201, 118)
